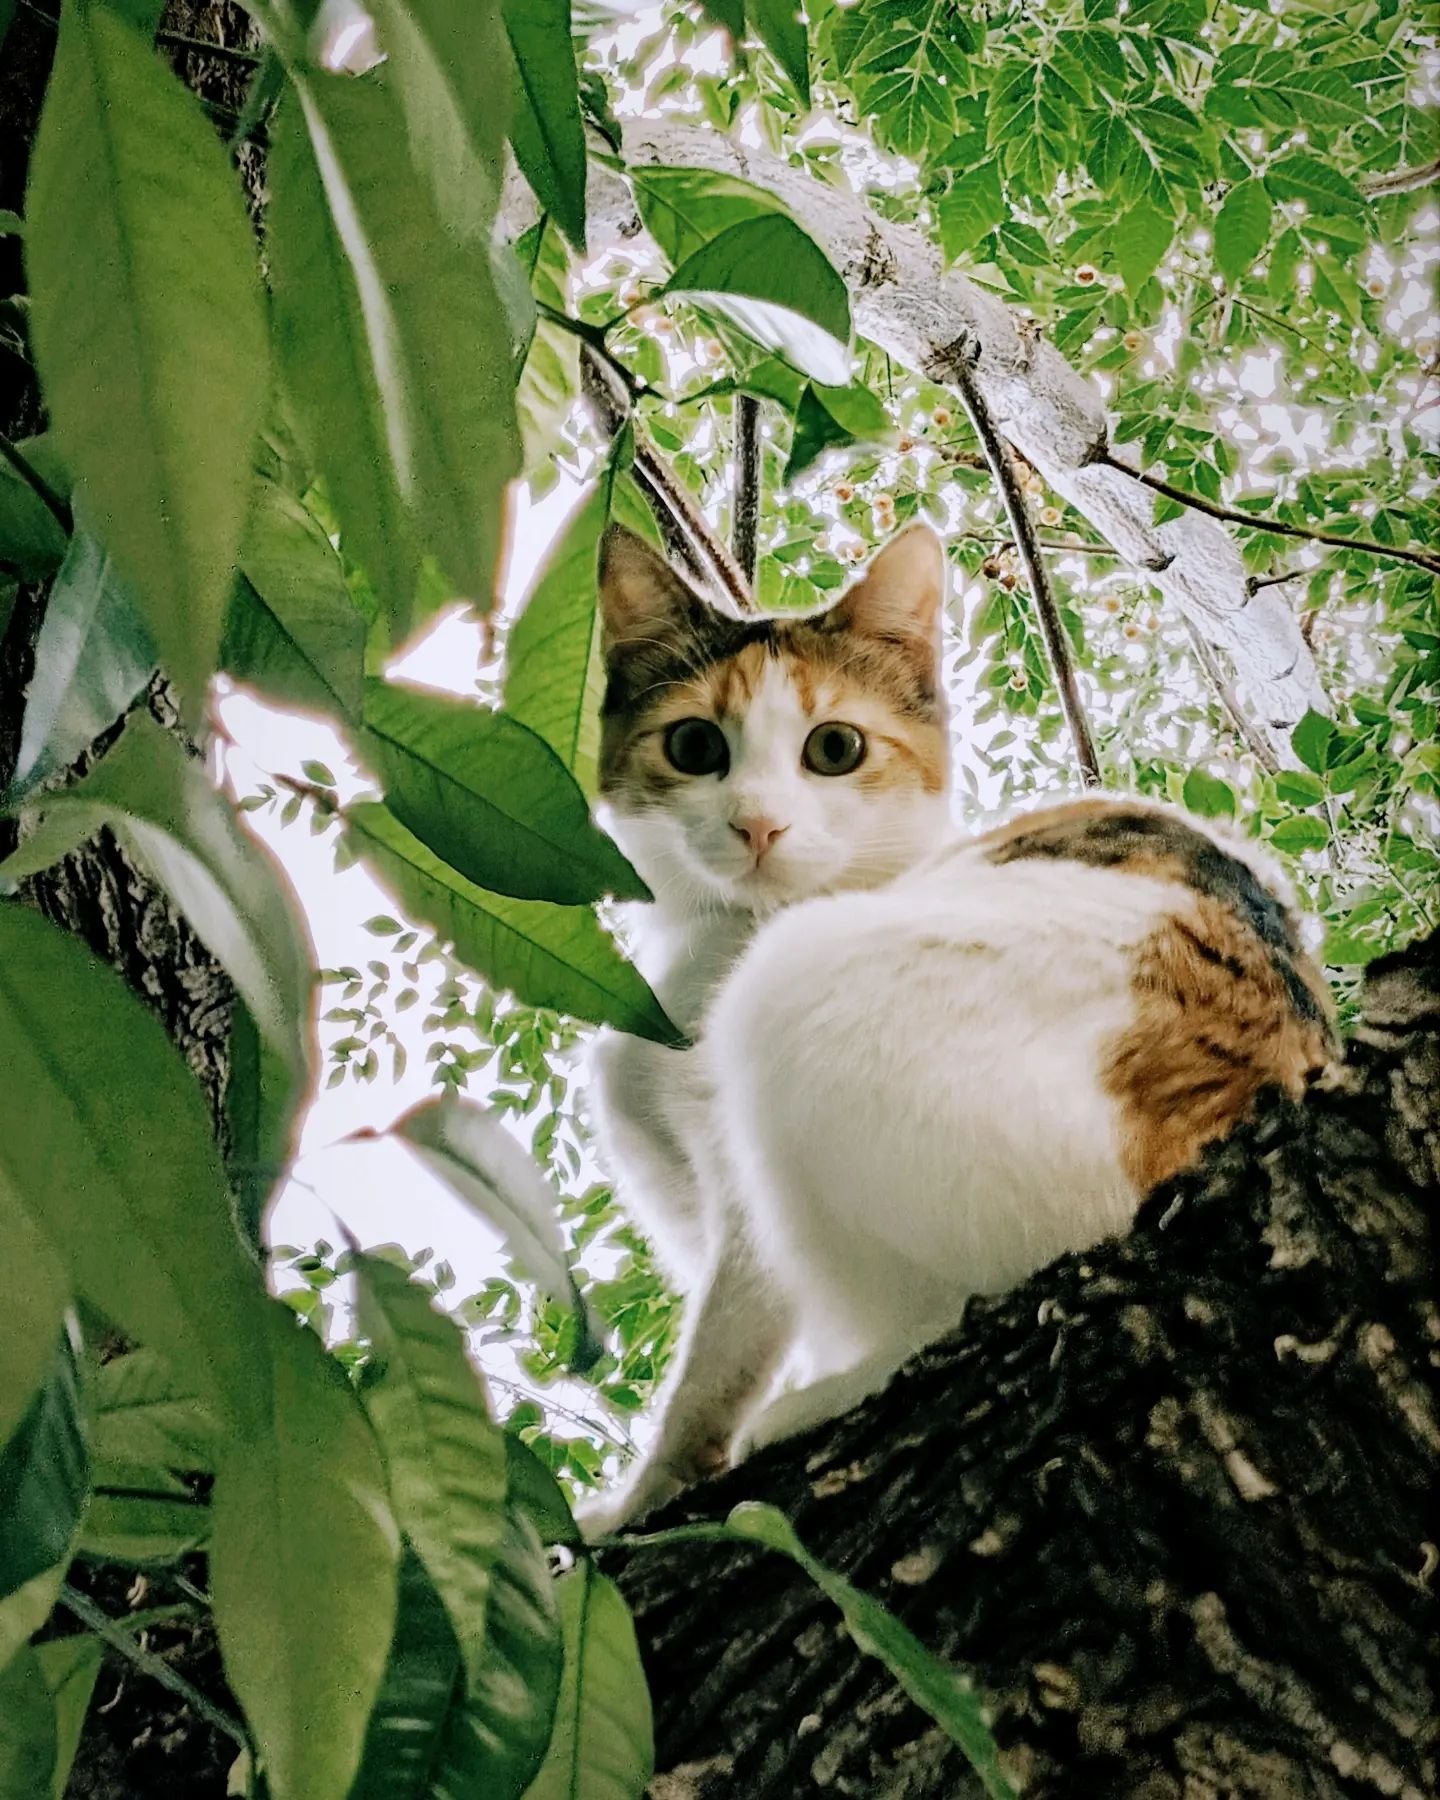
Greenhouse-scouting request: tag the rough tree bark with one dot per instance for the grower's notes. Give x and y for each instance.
(1171, 1502)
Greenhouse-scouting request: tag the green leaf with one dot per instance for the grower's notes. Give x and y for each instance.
(392, 341)
(935, 1687)
(292, 628)
(467, 1147)
(557, 956)
(422, 1687)
(1301, 833)
(99, 1113)
(444, 1456)
(1298, 789)
(1242, 229)
(140, 1413)
(773, 281)
(555, 673)
(70, 1666)
(491, 798)
(261, 1102)
(34, 1292)
(780, 27)
(148, 326)
(92, 659)
(546, 130)
(1319, 184)
(44, 1476)
(603, 1742)
(32, 541)
(303, 1565)
(537, 1494)
(159, 802)
(971, 208)
(142, 1516)
(28, 1747)
(684, 209)
(1311, 741)
(1141, 237)
(1208, 795)
(828, 416)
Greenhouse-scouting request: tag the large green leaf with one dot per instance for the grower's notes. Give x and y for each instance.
(292, 628)
(142, 1516)
(148, 325)
(555, 673)
(44, 1472)
(1320, 185)
(558, 956)
(684, 209)
(34, 1291)
(28, 1746)
(468, 1148)
(490, 797)
(93, 657)
(546, 130)
(1242, 229)
(602, 1747)
(70, 1666)
(444, 1456)
(940, 1690)
(392, 338)
(303, 1564)
(776, 283)
(830, 416)
(780, 27)
(140, 1413)
(422, 1687)
(1140, 238)
(32, 540)
(99, 1118)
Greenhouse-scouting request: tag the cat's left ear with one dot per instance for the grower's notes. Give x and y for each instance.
(901, 596)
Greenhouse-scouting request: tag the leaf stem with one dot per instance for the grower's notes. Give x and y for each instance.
(1052, 628)
(1233, 515)
(114, 1634)
(34, 480)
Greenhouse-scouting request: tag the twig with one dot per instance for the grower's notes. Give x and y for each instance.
(593, 337)
(1402, 181)
(1052, 629)
(1263, 581)
(744, 531)
(90, 1616)
(689, 541)
(177, 40)
(1258, 522)
(1254, 741)
(34, 480)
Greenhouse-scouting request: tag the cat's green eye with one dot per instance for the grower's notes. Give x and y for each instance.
(697, 747)
(833, 749)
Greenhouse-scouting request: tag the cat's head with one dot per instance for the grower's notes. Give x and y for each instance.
(753, 762)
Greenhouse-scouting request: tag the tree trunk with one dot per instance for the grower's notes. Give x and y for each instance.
(1170, 1502)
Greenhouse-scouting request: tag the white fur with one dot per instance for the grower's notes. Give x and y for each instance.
(893, 1102)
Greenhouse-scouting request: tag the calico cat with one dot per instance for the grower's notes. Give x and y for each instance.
(924, 1065)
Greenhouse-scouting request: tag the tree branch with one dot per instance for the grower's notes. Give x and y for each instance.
(35, 481)
(1213, 509)
(744, 532)
(1052, 627)
(1253, 740)
(1402, 181)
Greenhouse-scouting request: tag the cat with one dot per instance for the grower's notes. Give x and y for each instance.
(924, 1064)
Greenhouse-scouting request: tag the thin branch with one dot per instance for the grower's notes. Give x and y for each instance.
(1263, 581)
(1004, 542)
(1225, 693)
(177, 40)
(1402, 181)
(1052, 629)
(34, 480)
(90, 1616)
(1422, 559)
(744, 531)
(689, 541)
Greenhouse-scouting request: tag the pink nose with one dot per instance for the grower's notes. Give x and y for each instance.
(759, 833)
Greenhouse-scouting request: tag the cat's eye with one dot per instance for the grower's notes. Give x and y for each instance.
(833, 749)
(697, 747)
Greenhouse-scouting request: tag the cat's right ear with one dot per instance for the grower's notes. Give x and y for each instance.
(642, 599)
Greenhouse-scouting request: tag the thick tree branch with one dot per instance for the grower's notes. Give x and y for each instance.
(905, 301)
(745, 530)
(1213, 509)
(1047, 613)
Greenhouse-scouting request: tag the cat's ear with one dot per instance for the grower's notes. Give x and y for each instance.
(642, 599)
(901, 595)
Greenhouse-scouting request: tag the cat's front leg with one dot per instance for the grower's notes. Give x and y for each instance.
(737, 1329)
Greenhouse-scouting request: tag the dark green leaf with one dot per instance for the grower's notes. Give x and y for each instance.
(44, 1474)
(828, 416)
(304, 1612)
(148, 326)
(557, 956)
(780, 27)
(422, 1686)
(970, 209)
(684, 209)
(468, 1148)
(34, 1292)
(535, 1492)
(444, 1457)
(1208, 795)
(32, 542)
(1311, 740)
(602, 1747)
(93, 657)
(292, 628)
(490, 797)
(69, 1666)
(27, 1729)
(545, 126)
(1242, 229)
